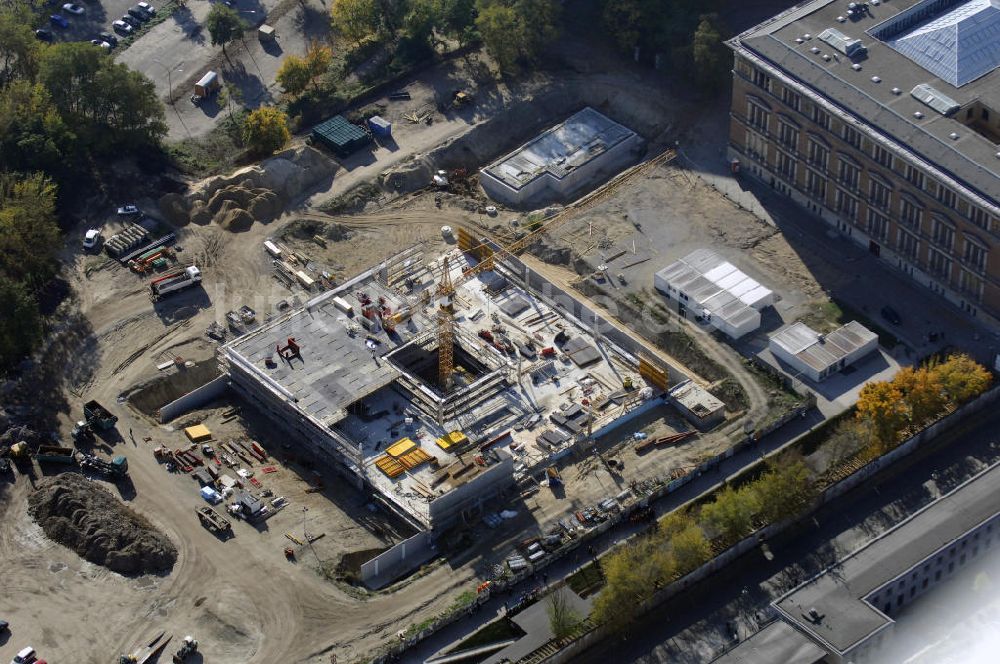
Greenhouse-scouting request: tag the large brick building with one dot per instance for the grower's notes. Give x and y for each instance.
(883, 119)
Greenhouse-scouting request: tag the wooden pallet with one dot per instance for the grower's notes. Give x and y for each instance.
(391, 467)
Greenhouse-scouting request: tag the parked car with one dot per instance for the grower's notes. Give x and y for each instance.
(24, 656)
(73, 8)
(146, 7)
(128, 210)
(108, 37)
(138, 13)
(4, 625)
(43, 35)
(891, 315)
(122, 28)
(100, 42)
(59, 21)
(92, 237)
(134, 22)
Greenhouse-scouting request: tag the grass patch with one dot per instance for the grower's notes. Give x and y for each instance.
(162, 14)
(496, 631)
(587, 580)
(828, 315)
(218, 150)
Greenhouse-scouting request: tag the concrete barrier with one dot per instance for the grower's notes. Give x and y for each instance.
(401, 559)
(211, 390)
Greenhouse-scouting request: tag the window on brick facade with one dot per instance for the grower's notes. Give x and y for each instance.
(943, 234)
(851, 136)
(879, 194)
(757, 147)
(940, 265)
(910, 214)
(761, 80)
(947, 197)
(816, 184)
(971, 285)
(850, 175)
(915, 176)
(819, 154)
(908, 244)
(882, 156)
(757, 117)
(791, 98)
(821, 117)
(786, 166)
(974, 255)
(788, 135)
(847, 205)
(878, 225)
(978, 216)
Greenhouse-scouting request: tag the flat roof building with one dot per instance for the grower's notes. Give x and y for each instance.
(849, 610)
(883, 119)
(712, 288)
(820, 355)
(563, 160)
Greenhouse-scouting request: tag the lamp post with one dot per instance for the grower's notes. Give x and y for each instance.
(170, 85)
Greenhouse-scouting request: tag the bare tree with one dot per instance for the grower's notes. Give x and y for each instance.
(563, 618)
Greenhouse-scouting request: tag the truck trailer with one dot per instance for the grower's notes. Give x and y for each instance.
(55, 454)
(174, 282)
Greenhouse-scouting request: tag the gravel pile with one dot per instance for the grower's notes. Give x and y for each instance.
(82, 515)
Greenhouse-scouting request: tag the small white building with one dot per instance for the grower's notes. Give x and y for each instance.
(562, 160)
(702, 408)
(819, 355)
(710, 287)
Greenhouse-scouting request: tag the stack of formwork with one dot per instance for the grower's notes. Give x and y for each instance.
(129, 239)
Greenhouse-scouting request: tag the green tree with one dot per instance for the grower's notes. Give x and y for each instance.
(563, 618)
(318, 59)
(785, 489)
(881, 403)
(294, 75)
(923, 392)
(265, 130)
(497, 24)
(624, 20)
(632, 574)
(454, 17)
(732, 512)
(18, 47)
(21, 324)
(690, 548)
(355, 19)
(33, 136)
(515, 31)
(224, 26)
(710, 56)
(107, 104)
(962, 378)
(29, 236)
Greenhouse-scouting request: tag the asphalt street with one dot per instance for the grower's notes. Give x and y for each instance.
(698, 625)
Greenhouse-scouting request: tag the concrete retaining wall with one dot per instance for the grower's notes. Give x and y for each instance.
(195, 398)
(401, 559)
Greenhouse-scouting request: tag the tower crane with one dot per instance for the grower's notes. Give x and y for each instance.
(445, 291)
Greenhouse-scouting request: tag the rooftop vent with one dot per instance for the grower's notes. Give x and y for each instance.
(935, 99)
(807, 36)
(841, 19)
(837, 39)
(856, 67)
(799, 40)
(876, 79)
(896, 91)
(953, 135)
(876, 2)
(814, 49)
(918, 115)
(826, 57)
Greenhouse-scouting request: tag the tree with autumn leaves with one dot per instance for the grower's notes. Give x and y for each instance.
(917, 396)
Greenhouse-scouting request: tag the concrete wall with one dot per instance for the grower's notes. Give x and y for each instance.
(401, 559)
(195, 398)
(447, 509)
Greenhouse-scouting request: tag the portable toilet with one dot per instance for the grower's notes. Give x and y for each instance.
(380, 127)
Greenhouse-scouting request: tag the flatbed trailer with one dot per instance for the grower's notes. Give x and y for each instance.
(213, 520)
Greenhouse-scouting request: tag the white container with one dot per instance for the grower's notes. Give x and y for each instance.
(272, 249)
(343, 305)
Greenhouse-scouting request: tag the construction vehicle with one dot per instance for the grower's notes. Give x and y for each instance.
(95, 418)
(147, 652)
(174, 282)
(117, 468)
(188, 647)
(213, 520)
(55, 454)
(552, 474)
(19, 451)
(290, 553)
(460, 98)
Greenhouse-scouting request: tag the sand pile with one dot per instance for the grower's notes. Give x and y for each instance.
(83, 516)
(258, 193)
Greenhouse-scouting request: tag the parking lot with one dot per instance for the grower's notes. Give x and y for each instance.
(97, 17)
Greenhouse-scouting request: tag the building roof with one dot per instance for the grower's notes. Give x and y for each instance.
(776, 643)
(582, 137)
(838, 594)
(696, 399)
(874, 87)
(820, 351)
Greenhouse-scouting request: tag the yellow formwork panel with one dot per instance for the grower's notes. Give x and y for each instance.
(400, 447)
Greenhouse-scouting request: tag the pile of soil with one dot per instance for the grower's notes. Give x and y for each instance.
(83, 516)
(306, 229)
(551, 253)
(16, 434)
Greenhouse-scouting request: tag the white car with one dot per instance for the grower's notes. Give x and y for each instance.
(73, 8)
(25, 656)
(103, 44)
(128, 210)
(148, 8)
(91, 238)
(122, 28)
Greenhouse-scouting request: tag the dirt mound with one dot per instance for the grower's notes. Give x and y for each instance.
(82, 516)
(176, 209)
(16, 434)
(306, 229)
(235, 220)
(551, 254)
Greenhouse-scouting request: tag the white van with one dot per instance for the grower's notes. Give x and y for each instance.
(26, 656)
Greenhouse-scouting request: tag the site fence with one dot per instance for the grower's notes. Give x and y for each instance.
(953, 420)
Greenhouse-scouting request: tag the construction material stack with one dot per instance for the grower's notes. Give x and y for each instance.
(127, 241)
(174, 282)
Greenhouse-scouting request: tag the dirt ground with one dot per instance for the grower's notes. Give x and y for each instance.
(240, 597)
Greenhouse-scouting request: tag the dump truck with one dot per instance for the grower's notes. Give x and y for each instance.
(117, 468)
(188, 648)
(55, 454)
(98, 417)
(213, 520)
(174, 282)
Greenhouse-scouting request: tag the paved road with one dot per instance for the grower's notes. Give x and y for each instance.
(693, 628)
